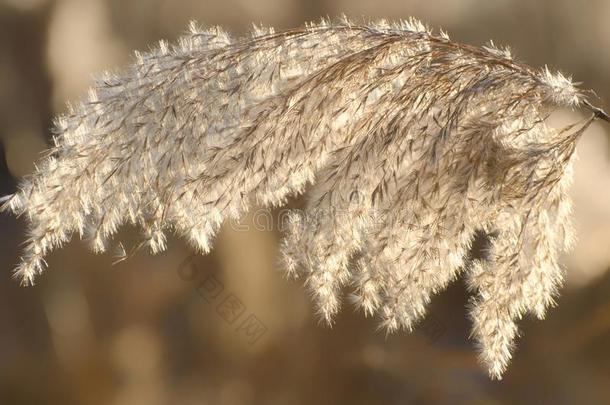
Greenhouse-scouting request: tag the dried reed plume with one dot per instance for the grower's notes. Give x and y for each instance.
(410, 143)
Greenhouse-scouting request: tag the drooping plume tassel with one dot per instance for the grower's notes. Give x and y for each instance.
(409, 143)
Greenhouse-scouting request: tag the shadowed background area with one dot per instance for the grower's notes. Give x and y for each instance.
(227, 328)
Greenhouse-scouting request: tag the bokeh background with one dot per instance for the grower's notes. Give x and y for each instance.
(152, 330)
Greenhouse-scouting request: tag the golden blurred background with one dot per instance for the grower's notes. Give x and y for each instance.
(227, 328)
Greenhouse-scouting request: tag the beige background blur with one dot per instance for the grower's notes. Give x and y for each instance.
(154, 330)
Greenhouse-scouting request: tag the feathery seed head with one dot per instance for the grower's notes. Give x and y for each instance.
(409, 145)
